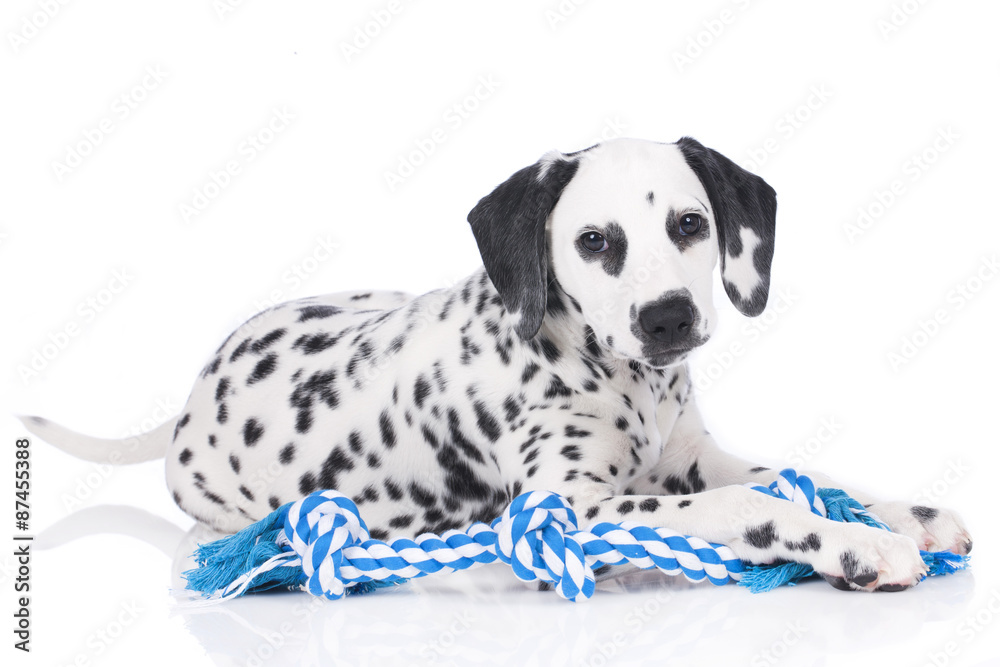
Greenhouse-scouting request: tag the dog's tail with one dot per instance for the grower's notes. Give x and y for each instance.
(147, 446)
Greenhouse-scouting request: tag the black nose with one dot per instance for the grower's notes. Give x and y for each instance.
(668, 322)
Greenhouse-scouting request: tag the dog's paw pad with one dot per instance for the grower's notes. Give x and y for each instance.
(874, 560)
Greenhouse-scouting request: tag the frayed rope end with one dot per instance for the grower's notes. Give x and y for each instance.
(944, 562)
(764, 578)
(225, 560)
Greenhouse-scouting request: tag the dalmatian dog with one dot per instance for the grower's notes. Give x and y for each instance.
(560, 365)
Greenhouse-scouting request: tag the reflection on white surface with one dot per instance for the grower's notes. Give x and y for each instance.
(487, 616)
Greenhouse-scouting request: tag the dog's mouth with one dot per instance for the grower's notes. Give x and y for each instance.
(667, 359)
(660, 358)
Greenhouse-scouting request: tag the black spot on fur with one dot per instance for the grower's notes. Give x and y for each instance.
(222, 388)
(246, 493)
(263, 368)
(486, 421)
(317, 312)
(315, 343)
(181, 423)
(185, 456)
(923, 514)
(240, 350)
(307, 484)
(252, 432)
(211, 440)
(557, 388)
(421, 390)
(673, 484)
(511, 409)
(318, 387)
(402, 521)
(373, 461)
(811, 542)
(303, 421)
(267, 341)
(212, 368)
(335, 462)
(422, 496)
(469, 350)
(754, 471)
(459, 440)
(593, 511)
(395, 493)
(574, 432)
(650, 197)
(386, 429)
(649, 505)
(287, 454)
(571, 452)
(529, 372)
(626, 507)
(212, 497)
(549, 349)
(694, 479)
(762, 536)
(460, 480)
(234, 463)
(682, 504)
(396, 344)
(429, 436)
(273, 502)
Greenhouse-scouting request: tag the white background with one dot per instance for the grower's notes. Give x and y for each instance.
(830, 103)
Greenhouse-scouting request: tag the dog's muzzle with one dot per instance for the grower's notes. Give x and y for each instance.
(667, 327)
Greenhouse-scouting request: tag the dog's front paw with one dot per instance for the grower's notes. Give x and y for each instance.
(871, 559)
(933, 529)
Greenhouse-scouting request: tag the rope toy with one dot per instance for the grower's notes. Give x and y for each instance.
(321, 544)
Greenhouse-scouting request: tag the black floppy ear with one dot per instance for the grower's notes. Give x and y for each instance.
(744, 207)
(509, 226)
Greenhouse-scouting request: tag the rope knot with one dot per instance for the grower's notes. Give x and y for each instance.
(535, 536)
(319, 528)
(797, 488)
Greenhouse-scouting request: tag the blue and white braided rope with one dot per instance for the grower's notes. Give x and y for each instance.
(797, 488)
(323, 546)
(325, 538)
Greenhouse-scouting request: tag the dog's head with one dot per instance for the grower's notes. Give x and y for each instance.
(631, 231)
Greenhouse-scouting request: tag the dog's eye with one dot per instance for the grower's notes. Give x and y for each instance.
(690, 223)
(593, 242)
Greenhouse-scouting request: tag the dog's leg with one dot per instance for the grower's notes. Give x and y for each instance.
(692, 462)
(762, 529)
(759, 528)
